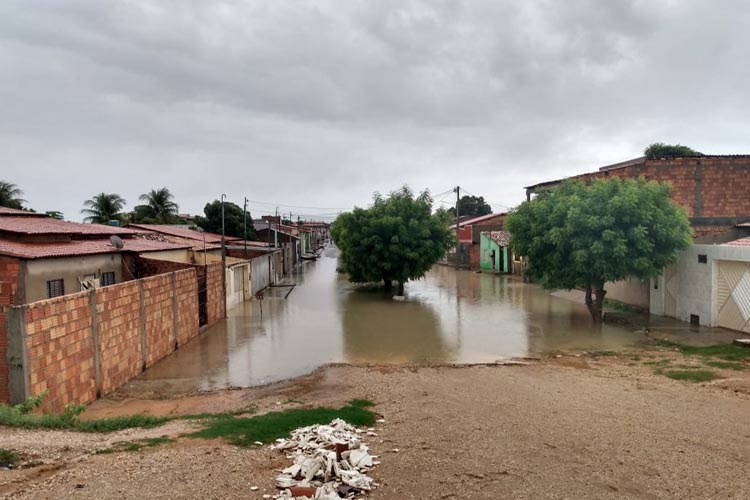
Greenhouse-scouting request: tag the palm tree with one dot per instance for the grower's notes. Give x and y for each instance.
(160, 205)
(103, 208)
(10, 195)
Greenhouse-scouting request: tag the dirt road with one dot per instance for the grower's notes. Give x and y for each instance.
(541, 431)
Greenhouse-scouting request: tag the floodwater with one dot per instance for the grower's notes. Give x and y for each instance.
(448, 317)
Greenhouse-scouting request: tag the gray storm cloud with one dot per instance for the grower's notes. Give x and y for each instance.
(321, 103)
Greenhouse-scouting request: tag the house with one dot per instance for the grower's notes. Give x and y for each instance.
(44, 257)
(713, 189)
(469, 238)
(495, 256)
(709, 285)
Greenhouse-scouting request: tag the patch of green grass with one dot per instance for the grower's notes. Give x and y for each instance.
(727, 365)
(691, 375)
(270, 426)
(661, 362)
(727, 352)
(622, 307)
(8, 458)
(203, 416)
(20, 416)
(136, 445)
(635, 358)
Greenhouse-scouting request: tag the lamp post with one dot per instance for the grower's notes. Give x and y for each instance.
(223, 256)
(244, 235)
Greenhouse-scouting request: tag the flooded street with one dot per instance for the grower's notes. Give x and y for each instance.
(447, 317)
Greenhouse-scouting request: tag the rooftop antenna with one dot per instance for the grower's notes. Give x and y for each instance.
(116, 242)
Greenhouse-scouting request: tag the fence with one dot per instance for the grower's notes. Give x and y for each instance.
(82, 346)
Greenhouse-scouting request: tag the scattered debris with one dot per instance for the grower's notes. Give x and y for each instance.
(329, 463)
(742, 342)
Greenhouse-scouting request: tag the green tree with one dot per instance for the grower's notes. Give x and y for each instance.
(55, 214)
(233, 220)
(396, 239)
(661, 150)
(10, 196)
(159, 208)
(471, 205)
(578, 236)
(103, 208)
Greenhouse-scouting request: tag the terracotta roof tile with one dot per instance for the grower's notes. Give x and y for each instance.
(502, 238)
(48, 225)
(742, 242)
(481, 218)
(12, 211)
(25, 250)
(183, 232)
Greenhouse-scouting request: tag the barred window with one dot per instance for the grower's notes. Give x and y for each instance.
(108, 278)
(55, 288)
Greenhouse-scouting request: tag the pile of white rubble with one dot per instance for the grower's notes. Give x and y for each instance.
(330, 462)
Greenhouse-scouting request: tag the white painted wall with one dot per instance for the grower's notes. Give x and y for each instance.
(696, 283)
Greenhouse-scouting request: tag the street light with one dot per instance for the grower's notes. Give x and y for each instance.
(223, 256)
(244, 235)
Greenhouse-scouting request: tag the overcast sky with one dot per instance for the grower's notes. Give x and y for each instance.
(321, 103)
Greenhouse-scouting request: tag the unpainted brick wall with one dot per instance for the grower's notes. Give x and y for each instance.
(119, 325)
(9, 269)
(61, 350)
(214, 293)
(723, 183)
(187, 306)
(60, 335)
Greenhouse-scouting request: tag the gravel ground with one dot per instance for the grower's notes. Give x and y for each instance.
(541, 431)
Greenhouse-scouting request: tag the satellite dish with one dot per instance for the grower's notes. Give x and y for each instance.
(116, 242)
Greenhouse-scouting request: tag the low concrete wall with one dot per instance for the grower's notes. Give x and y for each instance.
(632, 291)
(82, 346)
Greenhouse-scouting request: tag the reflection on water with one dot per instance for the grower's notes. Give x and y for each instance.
(448, 316)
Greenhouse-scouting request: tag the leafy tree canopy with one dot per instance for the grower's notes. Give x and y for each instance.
(661, 150)
(584, 236)
(471, 205)
(55, 214)
(158, 208)
(103, 208)
(10, 196)
(233, 220)
(396, 239)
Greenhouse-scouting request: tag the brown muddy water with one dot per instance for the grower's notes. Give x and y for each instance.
(448, 317)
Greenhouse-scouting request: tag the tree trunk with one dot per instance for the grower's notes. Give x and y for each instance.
(388, 285)
(400, 288)
(595, 304)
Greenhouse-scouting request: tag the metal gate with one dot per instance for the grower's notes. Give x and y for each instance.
(202, 301)
(733, 295)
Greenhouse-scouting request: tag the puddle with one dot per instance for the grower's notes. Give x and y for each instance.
(448, 317)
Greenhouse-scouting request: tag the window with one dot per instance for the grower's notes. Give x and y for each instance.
(702, 258)
(55, 288)
(695, 319)
(108, 278)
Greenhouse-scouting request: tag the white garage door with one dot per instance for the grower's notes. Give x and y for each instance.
(734, 295)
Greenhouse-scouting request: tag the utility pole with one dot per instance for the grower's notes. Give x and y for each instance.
(458, 230)
(244, 236)
(223, 256)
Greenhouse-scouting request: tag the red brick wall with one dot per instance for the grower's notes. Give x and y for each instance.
(61, 350)
(214, 293)
(160, 339)
(724, 184)
(118, 319)
(9, 268)
(187, 305)
(60, 338)
(151, 267)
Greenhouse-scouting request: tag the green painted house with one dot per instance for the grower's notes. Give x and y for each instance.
(494, 254)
